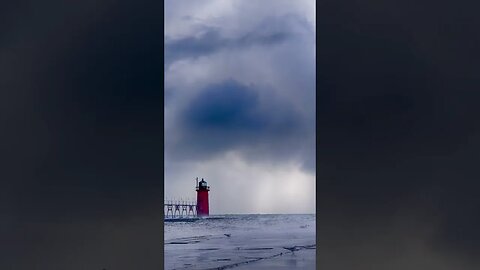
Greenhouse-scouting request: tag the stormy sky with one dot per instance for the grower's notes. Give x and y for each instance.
(240, 104)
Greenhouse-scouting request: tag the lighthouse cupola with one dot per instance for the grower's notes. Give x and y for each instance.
(202, 185)
(202, 198)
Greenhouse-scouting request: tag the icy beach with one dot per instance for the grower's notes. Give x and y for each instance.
(242, 242)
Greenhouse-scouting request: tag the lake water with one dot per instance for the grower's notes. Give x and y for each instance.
(242, 242)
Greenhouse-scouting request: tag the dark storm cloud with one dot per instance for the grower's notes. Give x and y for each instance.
(268, 32)
(398, 140)
(230, 116)
(81, 105)
(208, 42)
(225, 106)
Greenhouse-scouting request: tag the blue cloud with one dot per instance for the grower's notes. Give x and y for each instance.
(224, 106)
(229, 116)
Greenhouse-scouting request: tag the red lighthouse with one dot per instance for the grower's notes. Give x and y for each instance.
(202, 198)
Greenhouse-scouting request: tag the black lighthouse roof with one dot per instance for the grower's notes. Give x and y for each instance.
(202, 185)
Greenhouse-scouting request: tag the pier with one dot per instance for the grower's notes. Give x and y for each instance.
(180, 209)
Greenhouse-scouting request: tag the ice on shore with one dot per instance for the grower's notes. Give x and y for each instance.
(242, 241)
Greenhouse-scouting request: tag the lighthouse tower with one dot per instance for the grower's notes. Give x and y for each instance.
(202, 198)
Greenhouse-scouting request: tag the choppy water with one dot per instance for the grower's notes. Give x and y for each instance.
(260, 241)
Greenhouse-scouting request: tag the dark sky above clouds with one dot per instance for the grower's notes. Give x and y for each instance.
(399, 141)
(81, 140)
(240, 104)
